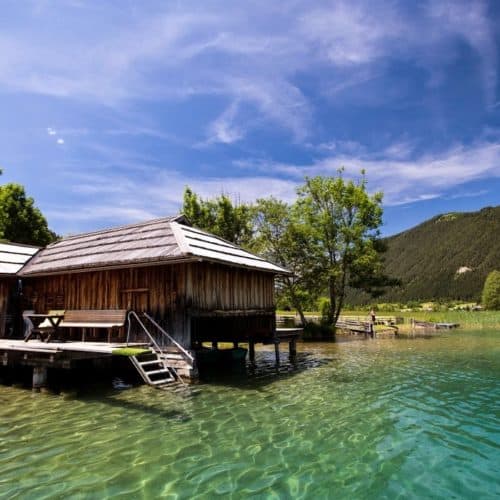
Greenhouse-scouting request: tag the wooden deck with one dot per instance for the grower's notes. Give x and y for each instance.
(53, 347)
(287, 334)
(54, 354)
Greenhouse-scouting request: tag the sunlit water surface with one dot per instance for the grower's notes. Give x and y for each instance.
(415, 418)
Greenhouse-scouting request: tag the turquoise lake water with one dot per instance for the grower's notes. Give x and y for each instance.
(388, 418)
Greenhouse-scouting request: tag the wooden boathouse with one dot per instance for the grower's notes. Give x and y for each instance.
(176, 282)
(12, 259)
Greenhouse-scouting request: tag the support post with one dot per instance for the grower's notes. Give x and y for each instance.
(251, 351)
(277, 351)
(292, 347)
(235, 345)
(214, 345)
(39, 377)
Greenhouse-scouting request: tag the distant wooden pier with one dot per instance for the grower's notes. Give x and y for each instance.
(355, 326)
(433, 326)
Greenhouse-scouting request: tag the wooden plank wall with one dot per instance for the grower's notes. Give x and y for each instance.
(217, 287)
(5, 286)
(172, 293)
(159, 290)
(230, 304)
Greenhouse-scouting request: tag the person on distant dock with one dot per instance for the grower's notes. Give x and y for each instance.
(372, 316)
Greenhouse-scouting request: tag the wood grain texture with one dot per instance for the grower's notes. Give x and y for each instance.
(213, 297)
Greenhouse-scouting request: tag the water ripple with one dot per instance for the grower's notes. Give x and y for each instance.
(377, 419)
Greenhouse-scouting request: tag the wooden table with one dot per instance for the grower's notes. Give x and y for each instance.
(38, 319)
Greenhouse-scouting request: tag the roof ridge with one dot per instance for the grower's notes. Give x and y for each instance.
(170, 218)
(56, 256)
(106, 240)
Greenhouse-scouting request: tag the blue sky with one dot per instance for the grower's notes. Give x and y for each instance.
(108, 109)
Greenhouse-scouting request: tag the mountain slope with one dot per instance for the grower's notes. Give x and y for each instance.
(446, 257)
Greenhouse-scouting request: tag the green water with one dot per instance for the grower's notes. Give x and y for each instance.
(416, 418)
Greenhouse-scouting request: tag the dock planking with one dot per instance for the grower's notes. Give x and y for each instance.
(433, 325)
(54, 354)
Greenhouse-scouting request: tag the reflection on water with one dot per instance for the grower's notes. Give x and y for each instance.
(417, 418)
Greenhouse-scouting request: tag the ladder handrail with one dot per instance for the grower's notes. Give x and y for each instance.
(165, 333)
(156, 347)
(151, 338)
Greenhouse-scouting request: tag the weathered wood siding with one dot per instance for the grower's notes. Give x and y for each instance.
(5, 286)
(172, 293)
(159, 290)
(215, 287)
(230, 304)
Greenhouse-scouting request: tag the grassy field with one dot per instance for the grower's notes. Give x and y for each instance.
(466, 319)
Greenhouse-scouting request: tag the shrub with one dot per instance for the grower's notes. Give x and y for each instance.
(491, 291)
(413, 305)
(323, 305)
(313, 331)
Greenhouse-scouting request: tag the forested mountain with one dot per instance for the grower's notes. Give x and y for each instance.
(446, 257)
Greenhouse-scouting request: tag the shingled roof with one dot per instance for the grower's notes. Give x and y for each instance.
(160, 241)
(13, 256)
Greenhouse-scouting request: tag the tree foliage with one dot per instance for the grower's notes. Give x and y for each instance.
(328, 238)
(283, 240)
(343, 222)
(491, 291)
(220, 216)
(20, 220)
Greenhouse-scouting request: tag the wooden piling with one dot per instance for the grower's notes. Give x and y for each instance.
(251, 351)
(39, 377)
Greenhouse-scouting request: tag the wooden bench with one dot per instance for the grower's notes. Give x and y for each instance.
(108, 319)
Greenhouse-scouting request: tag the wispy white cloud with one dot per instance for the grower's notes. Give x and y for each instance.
(341, 146)
(72, 221)
(350, 33)
(194, 50)
(469, 21)
(401, 150)
(402, 179)
(109, 198)
(468, 194)
(224, 129)
(125, 187)
(232, 69)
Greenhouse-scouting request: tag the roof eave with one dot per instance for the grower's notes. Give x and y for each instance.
(282, 272)
(186, 258)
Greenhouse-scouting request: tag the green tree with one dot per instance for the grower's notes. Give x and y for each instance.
(342, 221)
(220, 216)
(491, 291)
(281, 239)
(20, 220)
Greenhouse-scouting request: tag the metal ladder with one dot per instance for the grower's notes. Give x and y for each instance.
(153, 369)
(153, 366)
